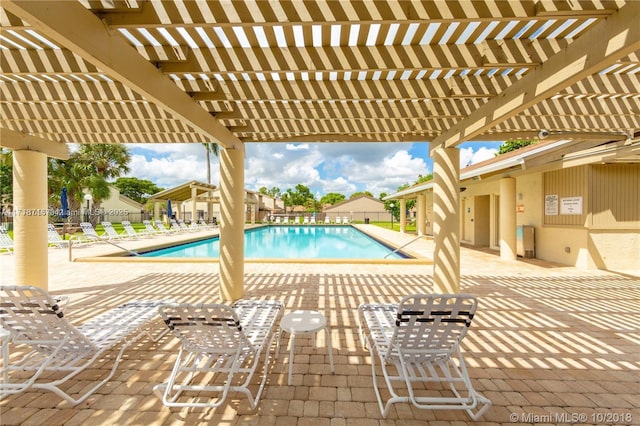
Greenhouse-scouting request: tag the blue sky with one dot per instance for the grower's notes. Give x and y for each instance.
(323, 167)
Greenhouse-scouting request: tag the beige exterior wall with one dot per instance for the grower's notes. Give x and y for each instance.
(117, 203)
(529, 200)
(615, 249)
(563, 245)
(605, 235)
(428, 227)
(115, 208)
(358, 208)
(614, 216)
(615, 196)
(567, 184)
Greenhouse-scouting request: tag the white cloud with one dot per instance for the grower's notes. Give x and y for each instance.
(385, 174)
(468, 156)
(323, 167)
(333, 167)
(169, 165)
(270, 165)
(297, 147)
(339, 185)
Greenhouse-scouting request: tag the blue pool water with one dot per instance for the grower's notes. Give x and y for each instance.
(291, 242)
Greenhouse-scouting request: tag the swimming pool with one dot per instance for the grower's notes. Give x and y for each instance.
(291, 242)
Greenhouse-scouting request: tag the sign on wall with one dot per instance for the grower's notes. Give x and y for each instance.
(571, 205)
(550, 205)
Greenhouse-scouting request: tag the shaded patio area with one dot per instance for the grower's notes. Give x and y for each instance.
(548, 342)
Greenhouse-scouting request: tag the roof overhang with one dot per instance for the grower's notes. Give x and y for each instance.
(540, 157)
(183, 192)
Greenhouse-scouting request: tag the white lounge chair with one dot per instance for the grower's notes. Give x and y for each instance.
(175, 226)
(278, 220)
(131, 231)
(181, 225)
(312, 220)
(54, 239)
(327, 221)
(151, 230)
(6, 243)
(285, 220)
(161, 228)
(203, 224)
(338, 221)
(306, 220)
(220, 351)
(345, 220)
(35, 319)
(188, 228)
(90, 233)
(418, 342)
(111, 233)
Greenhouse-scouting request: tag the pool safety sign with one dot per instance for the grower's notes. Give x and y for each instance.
(571, 205)
(550, 205)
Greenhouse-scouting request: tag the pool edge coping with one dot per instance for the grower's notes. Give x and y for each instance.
(118, 257)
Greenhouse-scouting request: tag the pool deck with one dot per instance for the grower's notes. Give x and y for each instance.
(548, 340)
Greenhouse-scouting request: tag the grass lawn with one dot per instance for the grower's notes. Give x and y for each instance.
(410, 227)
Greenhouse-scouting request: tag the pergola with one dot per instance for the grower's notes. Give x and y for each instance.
(236, 72)
(187, 191)
(194, 192)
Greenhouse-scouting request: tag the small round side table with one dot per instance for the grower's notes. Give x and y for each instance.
(304, 322)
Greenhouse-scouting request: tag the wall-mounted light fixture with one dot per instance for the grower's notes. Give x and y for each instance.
(543, 134)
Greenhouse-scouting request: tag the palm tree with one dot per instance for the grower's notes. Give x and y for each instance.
(88, 169)
(6, 180)
(210, 148)
(108, 161)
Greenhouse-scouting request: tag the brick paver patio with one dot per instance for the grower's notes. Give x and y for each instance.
(550, 344)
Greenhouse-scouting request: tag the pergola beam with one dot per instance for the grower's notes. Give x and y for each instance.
(608, 41)
(144, 16)
(18, 141)
(486, 55)
(89, 38)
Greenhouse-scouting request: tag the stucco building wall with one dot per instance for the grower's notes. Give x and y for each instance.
(356, 209)
(603, 230)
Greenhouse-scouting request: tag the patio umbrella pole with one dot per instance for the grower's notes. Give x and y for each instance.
(64, 211)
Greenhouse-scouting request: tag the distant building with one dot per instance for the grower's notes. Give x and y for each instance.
(116, 208)
(358, 209)
(197, 200)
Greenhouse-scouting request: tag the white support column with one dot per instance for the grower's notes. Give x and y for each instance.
(156, 211)
(30, 219)
(232, 224)
(508, 219)
(194, 205)
(421, 214)
(446, 220)
(403, 215)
